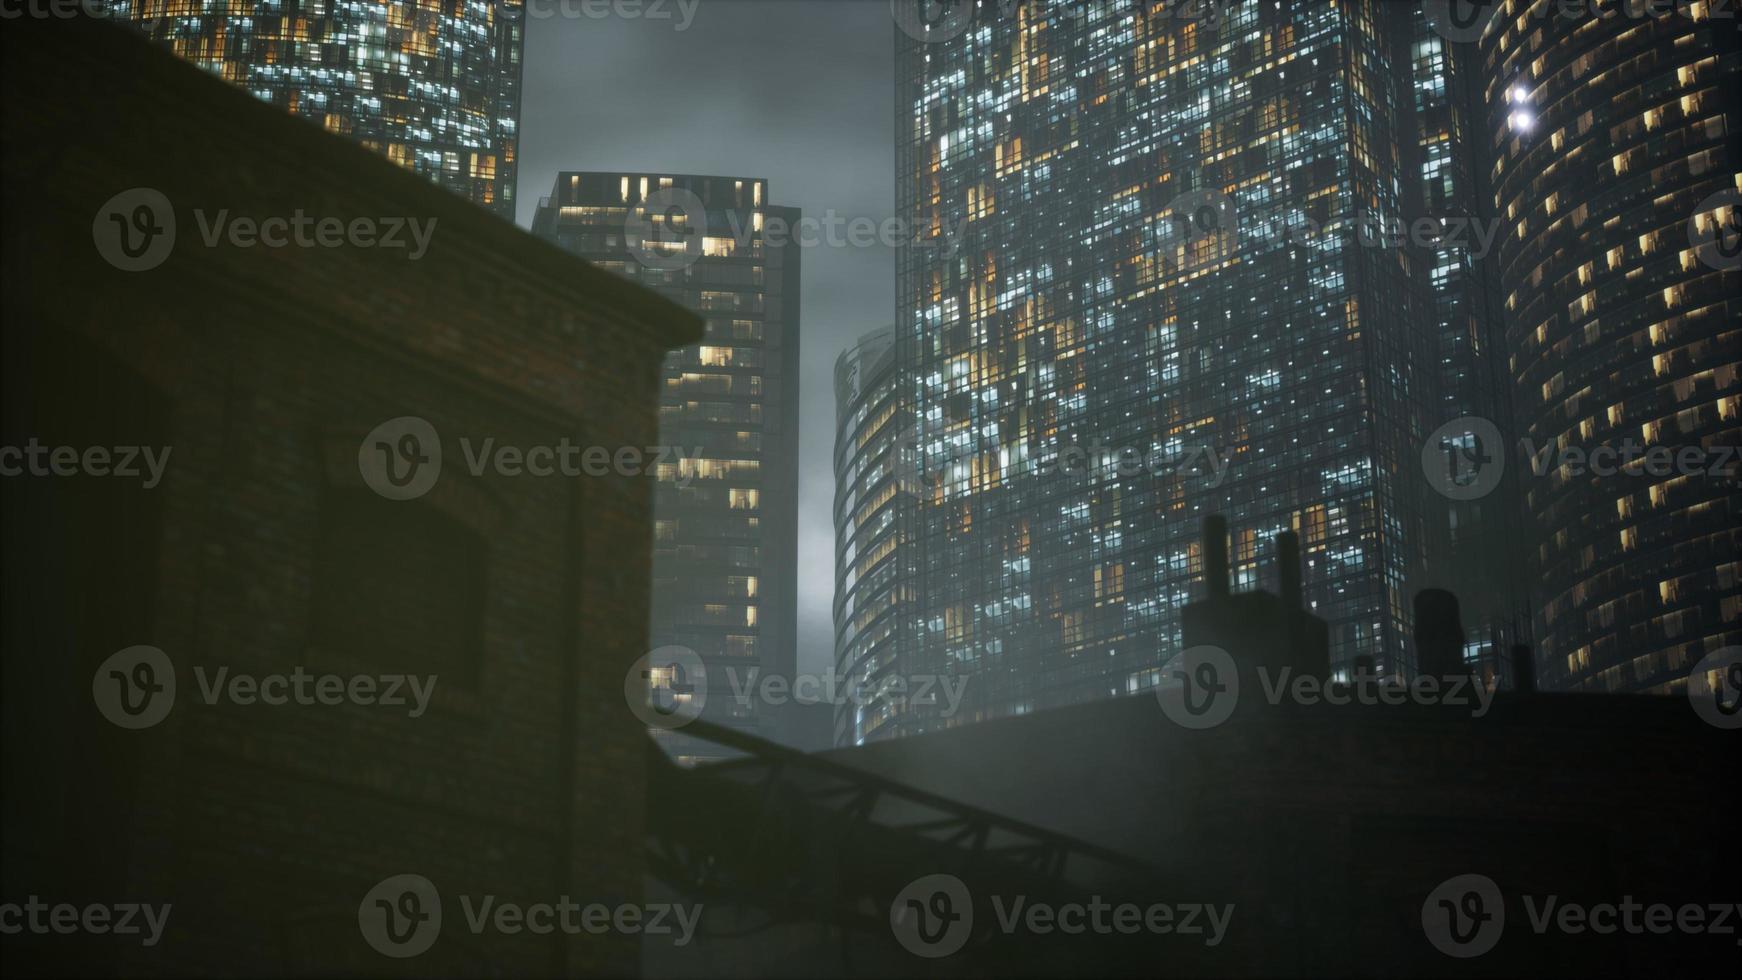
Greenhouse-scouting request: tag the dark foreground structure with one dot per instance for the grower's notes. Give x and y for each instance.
(256, 376)
(1346, 829)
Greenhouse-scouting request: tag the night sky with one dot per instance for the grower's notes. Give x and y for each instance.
(799, 92)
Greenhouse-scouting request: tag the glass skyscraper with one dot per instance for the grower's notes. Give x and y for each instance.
(725, 550)
(1476, 551)
(432, 86)
(876, 481)
(1613, 146)
(1172, 298)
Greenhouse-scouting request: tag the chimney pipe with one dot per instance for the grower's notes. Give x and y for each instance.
(1288, 568)
(1216, 556)
(1523, 668)
(1439, 634)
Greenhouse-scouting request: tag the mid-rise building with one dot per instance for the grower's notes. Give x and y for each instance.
(725, 558)
(1166, 299)
(1614, 155)
(433, 87)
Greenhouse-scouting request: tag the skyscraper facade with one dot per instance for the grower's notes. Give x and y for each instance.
(875, 483)
(1476, 549)
(1172, 298)
(434, 87)
(1615, 162)
(725, 551)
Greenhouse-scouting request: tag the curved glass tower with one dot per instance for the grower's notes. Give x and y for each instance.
(1615, 165)
(875, 480)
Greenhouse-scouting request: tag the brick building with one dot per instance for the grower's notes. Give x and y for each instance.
(258, 372)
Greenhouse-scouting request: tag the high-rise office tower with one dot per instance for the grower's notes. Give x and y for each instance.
(1476, 550)
(1614, 154)
(433, 87)
(725, 550)
(875, 482)
(1173, 296)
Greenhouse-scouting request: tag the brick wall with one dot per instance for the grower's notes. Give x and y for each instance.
(263, 369)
